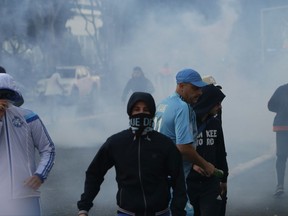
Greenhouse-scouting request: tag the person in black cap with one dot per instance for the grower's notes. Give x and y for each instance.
(147, 165)
(207, 194)
(137, 83)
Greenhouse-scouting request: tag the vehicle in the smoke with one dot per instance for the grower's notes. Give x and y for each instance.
(77, 82)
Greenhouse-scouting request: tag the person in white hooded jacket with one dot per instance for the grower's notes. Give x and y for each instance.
(22, 134)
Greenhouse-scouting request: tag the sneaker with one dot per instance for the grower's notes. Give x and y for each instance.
(279, 191)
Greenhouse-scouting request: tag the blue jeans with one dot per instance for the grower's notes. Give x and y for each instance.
(21, 207)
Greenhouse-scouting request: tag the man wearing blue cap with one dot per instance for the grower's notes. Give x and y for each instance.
(176, 119)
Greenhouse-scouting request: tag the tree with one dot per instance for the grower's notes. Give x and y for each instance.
(31, 35)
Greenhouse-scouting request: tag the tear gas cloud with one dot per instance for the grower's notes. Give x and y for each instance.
(186, 39)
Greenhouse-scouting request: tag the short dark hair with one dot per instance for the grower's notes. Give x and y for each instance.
(2, 70)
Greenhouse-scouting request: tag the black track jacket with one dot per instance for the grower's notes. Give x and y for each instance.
(142, 166)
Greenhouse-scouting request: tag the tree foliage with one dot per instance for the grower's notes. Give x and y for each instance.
(32, 35)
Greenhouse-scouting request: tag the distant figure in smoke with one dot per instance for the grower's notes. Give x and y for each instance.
(22, 133)
(147, 164)
(278, 103)
(206, 193)
(138, 82)
(53, 93)
(164, 80)
(21, 101)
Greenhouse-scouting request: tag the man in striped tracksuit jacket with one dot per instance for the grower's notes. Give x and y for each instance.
(22, 134)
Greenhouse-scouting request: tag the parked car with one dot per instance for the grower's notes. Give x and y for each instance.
(77, 82)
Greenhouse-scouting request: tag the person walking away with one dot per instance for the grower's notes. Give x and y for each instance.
(278, 103)
(137, 83)
(22, 134)
(176, 119)
(205, 193)
(147, 165)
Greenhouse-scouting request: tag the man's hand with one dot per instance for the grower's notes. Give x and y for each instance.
(199, 169)
(223, 187)
(33, 182)
(209, 169)
(190, 154)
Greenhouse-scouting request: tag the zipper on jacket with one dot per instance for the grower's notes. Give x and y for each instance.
(139, 172)
(9, 155)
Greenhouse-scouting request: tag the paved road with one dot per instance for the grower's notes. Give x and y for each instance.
(250, 192)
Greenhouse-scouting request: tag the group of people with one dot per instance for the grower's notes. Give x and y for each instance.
(166, 161)
(163, 162)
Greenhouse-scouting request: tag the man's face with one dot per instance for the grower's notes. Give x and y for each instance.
(140, 107)
(215, 110)
(190, 93)
(3, 107)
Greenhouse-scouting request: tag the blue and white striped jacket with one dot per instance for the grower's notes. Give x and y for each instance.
(22, 135)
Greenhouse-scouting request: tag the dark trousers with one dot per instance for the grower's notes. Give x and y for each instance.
(20, 207)
(205, 196)
(281, 153)
(223, 205)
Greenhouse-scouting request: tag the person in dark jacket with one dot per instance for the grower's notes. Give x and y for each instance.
(147, 165)
(278, 104)
(205, 193)
(211, 80)
(137, 83)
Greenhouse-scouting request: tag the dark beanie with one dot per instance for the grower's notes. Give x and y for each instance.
(211, 95)
(141, 96)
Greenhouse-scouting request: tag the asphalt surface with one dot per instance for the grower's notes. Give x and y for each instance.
(250, 189)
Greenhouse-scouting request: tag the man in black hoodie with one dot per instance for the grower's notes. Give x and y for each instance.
(206, 193)
(147, 165)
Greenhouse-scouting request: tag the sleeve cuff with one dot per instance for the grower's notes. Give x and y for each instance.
(41, 178)
(83, 212)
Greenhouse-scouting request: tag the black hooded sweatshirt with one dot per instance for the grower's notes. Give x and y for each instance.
(210, 140)
(144, 166)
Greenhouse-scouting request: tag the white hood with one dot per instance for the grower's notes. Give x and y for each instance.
(9, 90)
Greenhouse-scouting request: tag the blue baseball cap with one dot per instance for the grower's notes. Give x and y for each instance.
(190, 76)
